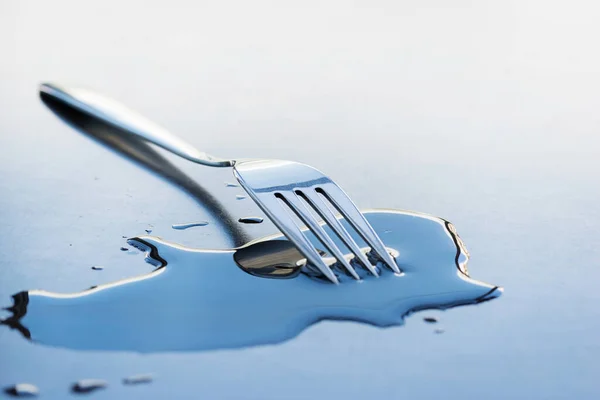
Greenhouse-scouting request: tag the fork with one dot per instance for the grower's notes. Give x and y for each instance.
(282, 189)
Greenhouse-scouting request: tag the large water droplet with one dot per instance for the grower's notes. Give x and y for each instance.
(138, 379)
(88, 385)
(430, 320)
(240, 197)
(184, 276)
(186, 226)
(22, 390)
(97, 268)
(251, 220)
(124, 249)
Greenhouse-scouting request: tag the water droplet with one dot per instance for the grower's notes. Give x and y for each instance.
(138, 379)
(240, 197)
(186, 226)
(230, 184)
(22, 390)
(88, 385)
(251, 220)
(124, 249)
(430, 320)
(439, 331)
(97, 268)
(148, 230)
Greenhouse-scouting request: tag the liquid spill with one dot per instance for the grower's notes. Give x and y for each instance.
(138, 379)
(251, 220)
(187, 226)
(230, 184)
(22, 390)
(124, 249)
(197, 300)
(97, 268)
(88, 385)
(240, 197)
(430, 320)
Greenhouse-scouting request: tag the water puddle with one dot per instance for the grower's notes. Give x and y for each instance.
(198, 299)
(22, 390)
(181, 227)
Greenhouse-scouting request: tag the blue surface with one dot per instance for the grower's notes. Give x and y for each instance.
(483, 114)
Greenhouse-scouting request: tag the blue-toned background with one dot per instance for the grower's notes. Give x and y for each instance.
(484, 113)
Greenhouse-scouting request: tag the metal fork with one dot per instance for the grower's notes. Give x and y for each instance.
(282, 189)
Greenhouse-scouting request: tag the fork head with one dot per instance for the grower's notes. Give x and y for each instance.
(287, 192)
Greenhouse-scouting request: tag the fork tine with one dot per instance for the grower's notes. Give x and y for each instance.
(270, 204)
(302, 211)
(348, 209)
(313, 198)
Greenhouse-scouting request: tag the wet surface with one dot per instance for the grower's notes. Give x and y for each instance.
(205, 288)
(483, 113)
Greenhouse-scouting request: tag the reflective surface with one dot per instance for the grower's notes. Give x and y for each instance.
(200, 300)
(484, 113)
(293, 195)
(271, 183)
(119, 116)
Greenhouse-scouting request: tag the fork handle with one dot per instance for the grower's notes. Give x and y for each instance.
(119, 116)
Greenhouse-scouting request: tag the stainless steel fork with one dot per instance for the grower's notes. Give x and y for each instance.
(282, 189)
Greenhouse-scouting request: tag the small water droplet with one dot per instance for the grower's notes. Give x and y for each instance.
(138, 379)
(430, 320)
(251, 220)
(240, 197)
(148, 230)
(22, 390)
(230, 184)
(88, 385)
(124, 237)
(186, 226)
(439, 331)
(124, 249)
(97, 268)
